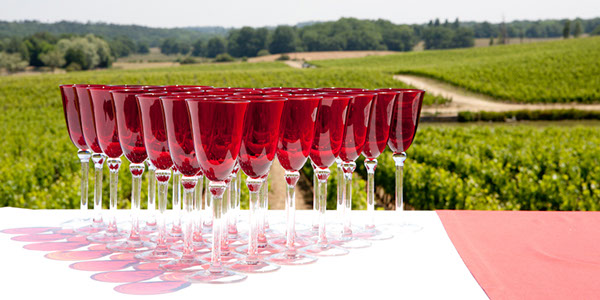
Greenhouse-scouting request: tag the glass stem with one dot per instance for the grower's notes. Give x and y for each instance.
(162, 178)
(216, 190)
(322, 176)
(399, 159)
(261, 212)
(98, 160)
(225, 220)
(233, 207)
(176, 202)
(136, 190)
(370, 165)
(341, 185)
(84, 158)
(348, 169)
(189, 185)
(113, 166)
(316, 213)
(151, 221)
(198, 209)
(254, 186)
(208, 218)
(291, 178)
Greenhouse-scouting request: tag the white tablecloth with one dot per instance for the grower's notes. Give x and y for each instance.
(422, 265)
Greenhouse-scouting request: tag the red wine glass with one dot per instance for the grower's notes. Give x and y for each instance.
(73, 120)
(355, 131)
(259, 146)
(405, 120)
(157, 149)
(131, 138)
(89, 134)
(181, 148)
(108, 140)
(377, 137)
(295, 140)
(326, 146)
(217, 126)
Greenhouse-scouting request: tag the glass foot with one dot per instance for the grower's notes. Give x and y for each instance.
(373, 234)
(156, 255)
(107, 237)
(255, 266)
(268, 250)
(221, 276)
(298, 242)
(90, 229)
(292, 258)
(131, 246)
(324, 250)
(148, 229)
(354, 243)
(199, 248)
(187, 265)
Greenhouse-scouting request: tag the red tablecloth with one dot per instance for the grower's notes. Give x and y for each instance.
(529, 255)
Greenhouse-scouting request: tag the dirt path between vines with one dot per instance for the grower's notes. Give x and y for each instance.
(463, 100)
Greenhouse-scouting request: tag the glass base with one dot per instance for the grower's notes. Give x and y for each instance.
(223, 276)
(131, 246)
(268, 250)
(187, 265)
(257, 266)
(373, 234)
(353, 243)
(90, 229)
(107, 237)
(299, 242)
(324, 250)
(76, 223)
(149, 229)
(292, 258)
(169, 239)
(199, 248)
(156, 255)
(175, 232)
(226, 258)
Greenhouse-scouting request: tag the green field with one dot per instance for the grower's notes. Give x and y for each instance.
(549, 72)
(477, 166)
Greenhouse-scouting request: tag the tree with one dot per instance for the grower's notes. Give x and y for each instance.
(12, 62)
(143, 48)
(491, 41)
(198, 48)
(567, 29)
(53, 59)
(174, 46)
(87, 52)
(215, 46)
(596, 31)
(246, 41)
(578, 30)
(37, 44)
(284, 40)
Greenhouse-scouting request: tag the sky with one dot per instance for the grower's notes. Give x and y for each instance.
(257, 13)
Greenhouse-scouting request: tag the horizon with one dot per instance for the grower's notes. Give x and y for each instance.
(271, 13)
(293, 25)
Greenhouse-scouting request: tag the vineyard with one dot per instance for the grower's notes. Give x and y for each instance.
(477, 166)
(549, 72)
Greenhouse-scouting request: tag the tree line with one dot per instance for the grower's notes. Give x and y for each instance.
(73, 52)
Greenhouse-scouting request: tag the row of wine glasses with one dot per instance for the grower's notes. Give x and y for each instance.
(196, 132)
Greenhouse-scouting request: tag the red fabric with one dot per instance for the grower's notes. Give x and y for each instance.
(529, 255)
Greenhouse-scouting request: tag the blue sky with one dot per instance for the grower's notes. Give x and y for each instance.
(178, 13)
